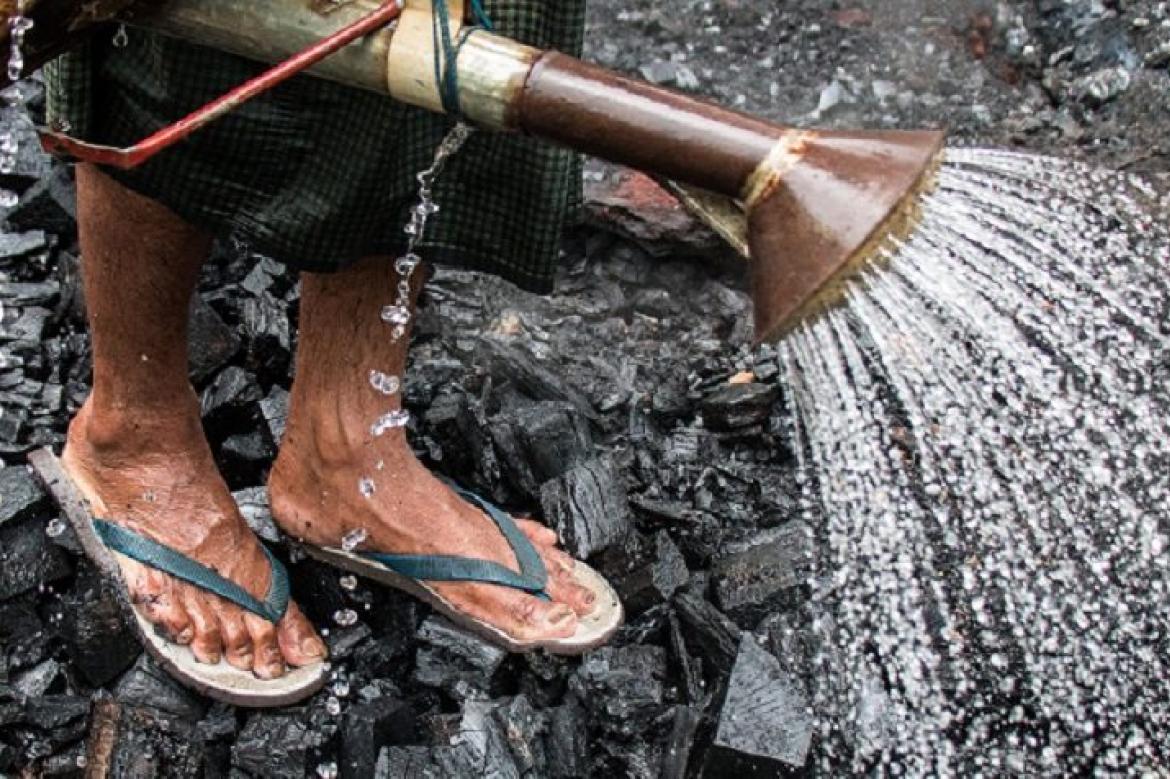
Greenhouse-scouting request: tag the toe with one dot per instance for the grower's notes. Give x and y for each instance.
(165, 609)
(207, 644)
(537, 533)
(563, 588)
(267, 662)
(535, 618)
(298, 641)
(237, 643)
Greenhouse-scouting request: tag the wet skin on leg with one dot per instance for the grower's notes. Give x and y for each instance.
(136, 448)
(329, 449)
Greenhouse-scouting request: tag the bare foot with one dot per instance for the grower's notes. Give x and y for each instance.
(155, 475)
(317, 496)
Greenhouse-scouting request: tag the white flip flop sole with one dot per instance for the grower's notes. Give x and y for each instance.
(222, 681)
(593, 630)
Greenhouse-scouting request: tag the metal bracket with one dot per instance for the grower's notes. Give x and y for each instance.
(71, 148)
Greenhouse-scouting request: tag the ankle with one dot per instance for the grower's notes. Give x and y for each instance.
(110, 429)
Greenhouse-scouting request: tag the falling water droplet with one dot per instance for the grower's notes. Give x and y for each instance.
(395, 315)
(354, 538)
(348, 582)
(55, 527)
(121, 37)
(345, 617)
(366, 487)
(390, 421)
(329, 770)
(384, 382)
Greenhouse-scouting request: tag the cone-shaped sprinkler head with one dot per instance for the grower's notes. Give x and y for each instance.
(821, 206)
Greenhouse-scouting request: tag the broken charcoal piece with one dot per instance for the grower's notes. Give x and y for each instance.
(228, 403)
(682, 740)
(28, 559)
(21, 495)
(765, 727)
(792, 642)
(654, 577)
(211, 342)
(148, 686)
(50, 712)
(544, 679)
(37, 681)
(276, 744)
(622, 686)
(72, 302)
(27, 327)
(42, 293)
(708, 631)
(274, 410)
(587, 506)
(480, 742)
(245, 459)
(18, 245)
(50, 205)
(344, 642)
(518, 368)
(412, 762)
(12, 424)
(735, 406)
(567, 740)
(522, 726)
(98, 641)
(692, 667)
(140, 742)
(64, 765)
(764, 573)
(219, 723)
(265, 327)
(540, 441)
(369, 727)
(448, 655)
(24, 641)
(253, 503)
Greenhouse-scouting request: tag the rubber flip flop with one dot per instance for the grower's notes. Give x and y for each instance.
(410, 573)
(104, 543)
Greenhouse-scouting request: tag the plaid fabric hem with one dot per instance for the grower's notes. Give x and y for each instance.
(319, 175)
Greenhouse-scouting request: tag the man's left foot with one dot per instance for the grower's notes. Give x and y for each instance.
(325, 486)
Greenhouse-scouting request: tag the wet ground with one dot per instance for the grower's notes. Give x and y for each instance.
(609, 407)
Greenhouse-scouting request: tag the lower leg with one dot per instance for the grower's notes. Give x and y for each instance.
(136, 448)
(335, 474)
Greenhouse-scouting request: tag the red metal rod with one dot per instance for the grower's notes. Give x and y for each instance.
(58, 143)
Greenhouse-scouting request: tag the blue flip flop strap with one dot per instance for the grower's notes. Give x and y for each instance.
(532, 577)
(150, 552)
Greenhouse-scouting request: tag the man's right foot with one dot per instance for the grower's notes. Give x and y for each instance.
(153, 473)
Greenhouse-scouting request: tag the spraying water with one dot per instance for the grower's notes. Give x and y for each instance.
(984, 441)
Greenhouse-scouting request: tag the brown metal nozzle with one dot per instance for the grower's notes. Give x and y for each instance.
(822, 206)
(818, 203)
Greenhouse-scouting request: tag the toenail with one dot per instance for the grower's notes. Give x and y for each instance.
(560, 614)
(590, 598)
(185, 635)
(313, 647)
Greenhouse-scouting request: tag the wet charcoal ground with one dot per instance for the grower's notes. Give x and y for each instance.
(609, 407)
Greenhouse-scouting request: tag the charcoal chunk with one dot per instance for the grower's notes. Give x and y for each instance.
(245, 458)
(50, 205)
(141, 742)
(657, 571)
(265, 327)
(709, 631)
(99, 642)
(17, 245)
(24, 641)
(414, 762)
(567, 740)
(765, 728)
(27, 559)
(21, 495)
(455, 660)
(49, 712)
(37, 681)
(253, 503)
(274, 410)
(682, 741)
(540, 441)
(522, 726)
(763, 573)
(146, 685)
(587, 506)
(509, 364)
(735, 406)
(368, 727)
(228, 403)
(276, 745)
(622, 686)
(211, 342)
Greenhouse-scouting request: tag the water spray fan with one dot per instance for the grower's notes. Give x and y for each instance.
(817, 204)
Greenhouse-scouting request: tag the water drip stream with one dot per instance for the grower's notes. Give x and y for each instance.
(984, 443)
